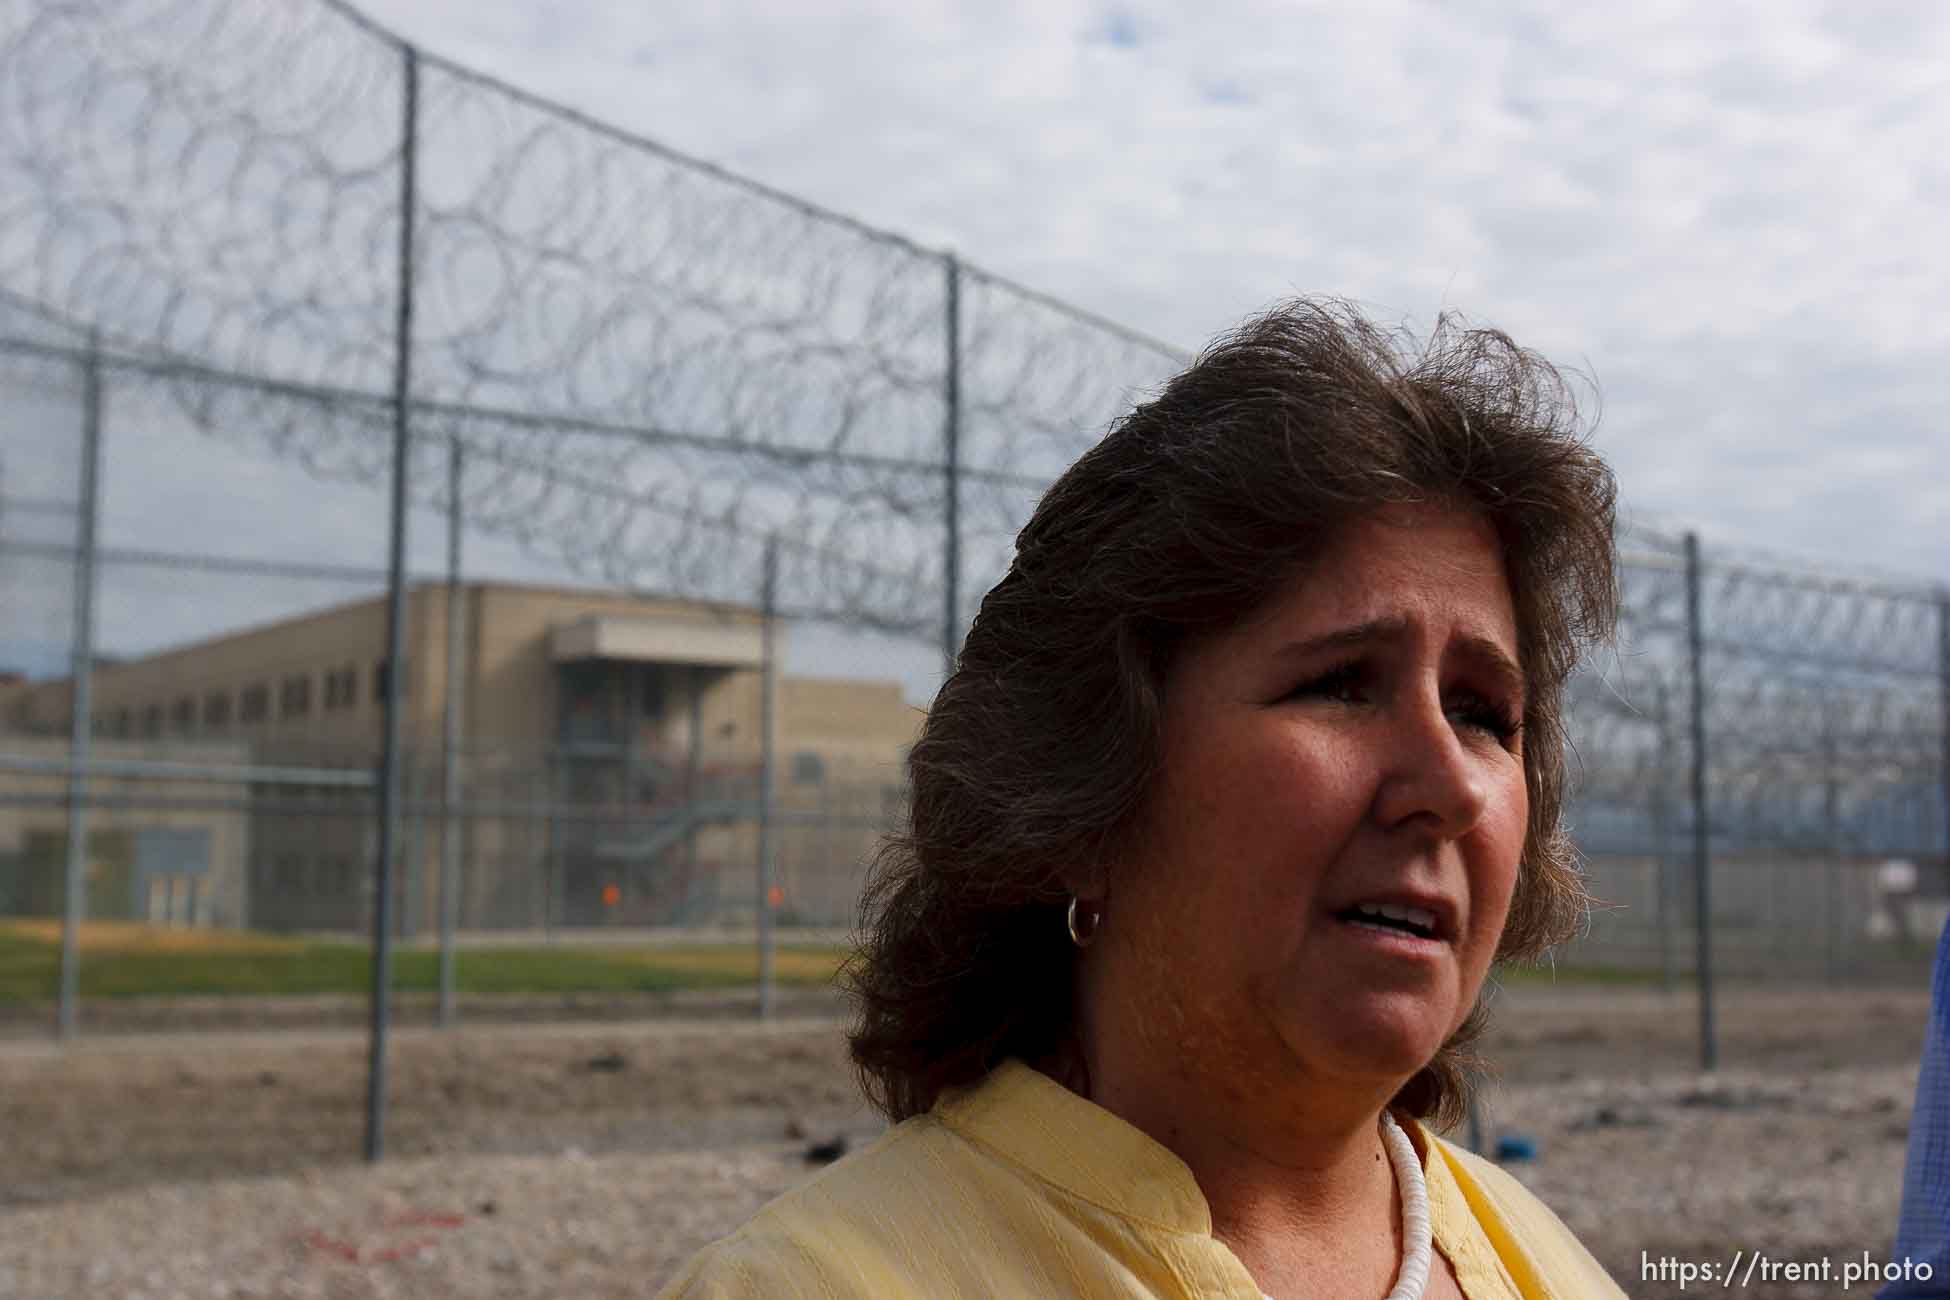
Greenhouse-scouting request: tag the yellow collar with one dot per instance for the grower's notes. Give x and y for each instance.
(1076, 1145)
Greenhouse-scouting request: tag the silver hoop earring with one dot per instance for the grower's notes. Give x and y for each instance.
(1082, 938)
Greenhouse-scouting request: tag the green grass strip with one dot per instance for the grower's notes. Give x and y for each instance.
(30, 967)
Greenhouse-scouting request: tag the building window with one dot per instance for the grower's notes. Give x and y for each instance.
(216, 709)
(381, 671)
(124, 723)
(152, 721)
(254, 703)
(182, 717)
(808, 768)
(341, 688)
(294, 697)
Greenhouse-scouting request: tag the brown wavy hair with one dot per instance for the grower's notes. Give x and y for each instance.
(1190, 513)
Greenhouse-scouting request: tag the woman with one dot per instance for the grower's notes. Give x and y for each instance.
(1251, 766)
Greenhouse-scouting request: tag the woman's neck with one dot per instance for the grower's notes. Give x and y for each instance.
(1318, 1160)
(1296, 1176)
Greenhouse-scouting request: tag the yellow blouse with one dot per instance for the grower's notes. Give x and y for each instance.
(1019, 1187)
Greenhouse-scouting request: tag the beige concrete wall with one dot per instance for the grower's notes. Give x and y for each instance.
(222, 897)
(138, 699)
(15, 692)
(509, 692)
(37, 708)
(859, 731)
(511, 696)
(852, 722)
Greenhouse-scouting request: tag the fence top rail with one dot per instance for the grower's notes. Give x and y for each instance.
(163, 770)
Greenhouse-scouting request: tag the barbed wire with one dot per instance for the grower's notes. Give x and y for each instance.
(581, 505)
(216, 189)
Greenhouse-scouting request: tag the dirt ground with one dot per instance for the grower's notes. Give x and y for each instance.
(1795, 1146)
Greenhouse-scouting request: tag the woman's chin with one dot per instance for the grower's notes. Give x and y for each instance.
(1388, 1044)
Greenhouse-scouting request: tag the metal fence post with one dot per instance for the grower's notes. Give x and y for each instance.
(768, 722)
(555, 784)
(1662, 835)
(389, 765)
(693, 767)
(1709, 1053)
(825, 866)
(81, 724)
(414, 783)
(951, 474)
(450, 745)
(540, 843)
(1943, 698)
(1831, 815)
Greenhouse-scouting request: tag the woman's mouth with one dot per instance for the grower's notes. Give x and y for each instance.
(1400, 921)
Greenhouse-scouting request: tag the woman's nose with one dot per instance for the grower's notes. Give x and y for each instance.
(1429, 775)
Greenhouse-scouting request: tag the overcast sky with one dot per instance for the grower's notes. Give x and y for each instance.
(1730, 215)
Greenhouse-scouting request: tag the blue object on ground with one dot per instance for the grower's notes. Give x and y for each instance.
(1515, 1147)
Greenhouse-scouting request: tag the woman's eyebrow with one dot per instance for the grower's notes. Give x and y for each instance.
(1483, 654)
(1387, 629)
(1492, 660)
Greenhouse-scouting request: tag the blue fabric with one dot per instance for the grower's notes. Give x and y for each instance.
(1923, 1232)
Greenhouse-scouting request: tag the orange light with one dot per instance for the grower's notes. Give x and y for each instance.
(611, 895)
(775, 896)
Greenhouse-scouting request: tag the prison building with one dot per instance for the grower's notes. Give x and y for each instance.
(157, 848)
(606, 771)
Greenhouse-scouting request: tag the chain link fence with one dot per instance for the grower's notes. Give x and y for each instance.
(323, 355)
(1766, 749)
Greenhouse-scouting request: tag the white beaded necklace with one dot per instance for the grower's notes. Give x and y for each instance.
(1413, 1278)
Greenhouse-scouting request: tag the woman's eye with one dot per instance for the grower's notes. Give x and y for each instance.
(1484, 715)
(1345, 684)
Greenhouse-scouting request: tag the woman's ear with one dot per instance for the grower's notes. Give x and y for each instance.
(1089, 882)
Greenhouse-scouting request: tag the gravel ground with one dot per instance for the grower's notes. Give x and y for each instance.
(589, 1160)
